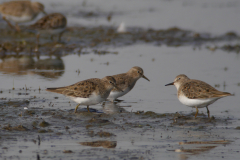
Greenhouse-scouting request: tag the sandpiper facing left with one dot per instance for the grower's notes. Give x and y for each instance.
(88, 92)
(126, 82)
(195, 93)
(20, 11)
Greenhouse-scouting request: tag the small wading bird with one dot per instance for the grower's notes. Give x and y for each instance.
(126, 82)
(88, 92)
(195, 93)
(51, 24)
(20, 11)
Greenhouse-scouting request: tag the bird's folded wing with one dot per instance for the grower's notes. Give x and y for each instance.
(201, 90)
(50, 21)
(121, 81)
(81, 89)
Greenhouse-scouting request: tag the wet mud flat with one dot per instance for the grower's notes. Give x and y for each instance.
(44, 131)
(37, 125)
(83, 40)
(49, 129)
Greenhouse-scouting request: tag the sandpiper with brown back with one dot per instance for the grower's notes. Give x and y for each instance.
(51, 24)
(126, 82)
(88, 92)
(20, 11)
(196, 93)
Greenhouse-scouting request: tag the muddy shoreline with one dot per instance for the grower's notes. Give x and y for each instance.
(43, 131)
(165, 38)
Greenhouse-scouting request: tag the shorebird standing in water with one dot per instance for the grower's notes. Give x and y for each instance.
(195, 93)
(126, 82)
(88, 92)
(51, 24)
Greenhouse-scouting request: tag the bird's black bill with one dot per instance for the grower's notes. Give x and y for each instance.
(145, 77)
(169, 84)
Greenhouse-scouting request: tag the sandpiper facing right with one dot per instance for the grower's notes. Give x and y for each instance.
(51, 24)
(195, 93)
(126, 82)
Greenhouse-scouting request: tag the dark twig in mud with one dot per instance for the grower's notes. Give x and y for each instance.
(38, 157)
(39, 140)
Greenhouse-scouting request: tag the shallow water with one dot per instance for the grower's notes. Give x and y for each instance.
(214, 16)
(137, 133)
(160, 64)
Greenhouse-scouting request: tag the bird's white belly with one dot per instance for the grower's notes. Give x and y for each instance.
(18, 19)
(115, 94)
(91, 100)
(200, 103)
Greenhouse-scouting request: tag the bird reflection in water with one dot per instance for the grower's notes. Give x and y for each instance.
(50, 68)
(25, 65)
(112, 108)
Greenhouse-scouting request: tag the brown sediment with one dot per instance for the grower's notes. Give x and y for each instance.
(16, 128)
(197, 150)
(104, 144)
(44, 124)
(206, 142)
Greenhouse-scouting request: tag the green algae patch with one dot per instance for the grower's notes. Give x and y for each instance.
(238, 128)
(104, 144)
(105, 134)
(34, 123)
(154, 115)
(29, 112)
(16, 128)
(44, 124)
(96, 120)
(42, 131)
(88, 126)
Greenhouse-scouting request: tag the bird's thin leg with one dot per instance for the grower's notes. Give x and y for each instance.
(103, 104)
(52, 36)
(38, 35)
(88, 108)
(37, 43)
(59, 37)
(76, 108)
(208, 112)
(196, 112)
(8, 23)
(118, 100)
(17, 28)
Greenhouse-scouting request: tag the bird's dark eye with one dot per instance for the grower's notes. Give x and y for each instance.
(179, 78)
(138, 72)
(110, 81)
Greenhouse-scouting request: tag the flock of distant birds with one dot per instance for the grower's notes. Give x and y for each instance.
(193, 93)
(26, 11)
